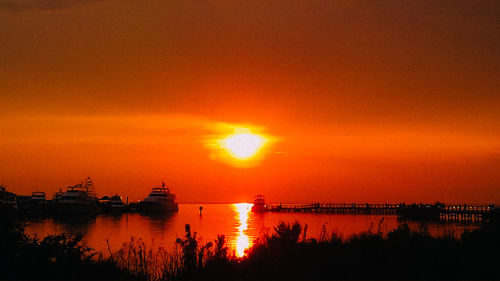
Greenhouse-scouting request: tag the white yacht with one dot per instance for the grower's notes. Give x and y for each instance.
(7, 199)
(79, 198)
(115, 204)
(159, 200)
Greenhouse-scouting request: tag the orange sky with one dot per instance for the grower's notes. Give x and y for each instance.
(364, 101)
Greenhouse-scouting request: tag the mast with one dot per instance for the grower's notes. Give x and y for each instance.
(89, 187)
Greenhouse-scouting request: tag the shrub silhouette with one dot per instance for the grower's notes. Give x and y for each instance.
(287, 232)
(54, 257)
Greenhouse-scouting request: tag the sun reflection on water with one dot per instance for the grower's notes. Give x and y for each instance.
(242, 241)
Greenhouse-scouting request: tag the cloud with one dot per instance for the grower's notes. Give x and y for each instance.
(49, 5)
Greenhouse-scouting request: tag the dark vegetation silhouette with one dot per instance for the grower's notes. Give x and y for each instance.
(401, 254)
(189, 258)
(286, 254)
(55, 257)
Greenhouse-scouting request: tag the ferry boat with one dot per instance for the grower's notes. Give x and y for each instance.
(159, 200)
(259, 204)
(7, 199)
(79, 198)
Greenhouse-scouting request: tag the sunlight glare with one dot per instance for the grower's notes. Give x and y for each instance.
(243, 145)
(242, 241)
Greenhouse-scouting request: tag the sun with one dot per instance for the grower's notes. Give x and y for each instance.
(243, 145)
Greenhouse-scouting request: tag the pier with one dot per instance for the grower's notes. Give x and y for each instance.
(438, 211)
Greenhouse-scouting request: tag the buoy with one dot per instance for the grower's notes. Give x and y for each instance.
(201, 210)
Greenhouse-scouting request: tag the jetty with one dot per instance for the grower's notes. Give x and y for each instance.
(438, 211)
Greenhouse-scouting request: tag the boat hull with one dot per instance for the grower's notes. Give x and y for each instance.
(258, 209)
(108, 208)
(76, 207)
(157, 207)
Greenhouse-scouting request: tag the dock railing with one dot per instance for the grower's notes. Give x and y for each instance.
(418, 211)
